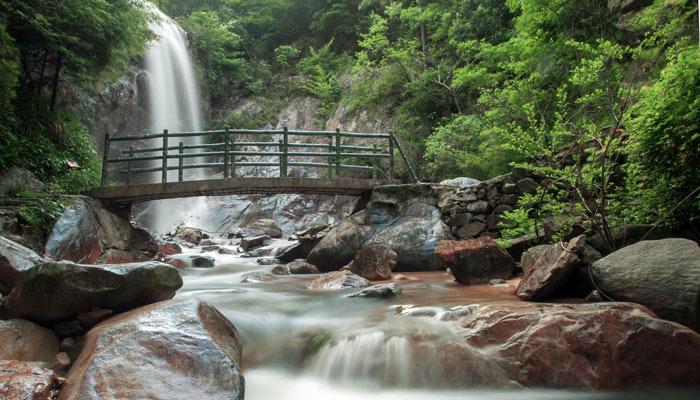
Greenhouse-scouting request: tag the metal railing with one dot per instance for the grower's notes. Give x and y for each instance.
(224, 150)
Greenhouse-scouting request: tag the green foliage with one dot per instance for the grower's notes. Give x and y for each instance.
(665, 144)
(38, 211)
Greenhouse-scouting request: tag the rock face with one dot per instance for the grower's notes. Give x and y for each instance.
(14, 258)
(16, 179)
(58, 291)
(593, 346)
(476, 261)
(172, 349)
(88, 233)
(26, 341)
(20, 381)
(261, 227)
(337, 280)
(552, 269)
(663, 275)
(403, 217)
(374, 261)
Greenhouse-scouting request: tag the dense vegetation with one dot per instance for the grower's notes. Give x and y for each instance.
(600, 96)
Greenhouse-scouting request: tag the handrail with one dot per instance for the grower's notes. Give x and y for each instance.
(209, 155)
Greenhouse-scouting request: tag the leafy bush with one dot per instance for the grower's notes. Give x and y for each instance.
(38, 211)
(665, 144)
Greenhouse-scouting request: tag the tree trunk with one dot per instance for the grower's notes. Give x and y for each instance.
(56, 76)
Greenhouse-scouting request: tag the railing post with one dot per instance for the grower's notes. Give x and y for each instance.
(233, 156)
(285, 137)
(329, 158)
(105, 158)
(391, 156)
(164, 172)
(281, 157)
(226, 154)
(180, 161)
(128, 166)
(374, 162)
(337, 152)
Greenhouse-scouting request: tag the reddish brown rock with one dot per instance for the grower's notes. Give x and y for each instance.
(476, 261)
(14, 258)
(168, 249)
(337, 280)
(26, 341)
(552, 269)
(374, 261)
(20, 381)
(596, 346)
(172, 349)
(190, 235)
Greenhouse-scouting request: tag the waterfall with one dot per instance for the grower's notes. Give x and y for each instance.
(172, 86)
(370, 356)
(174, 105)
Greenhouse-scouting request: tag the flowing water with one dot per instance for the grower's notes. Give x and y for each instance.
(304, 345)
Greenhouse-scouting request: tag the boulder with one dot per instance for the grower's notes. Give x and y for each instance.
(197, 261)
(552, 269)
(249, 243)
(663, 275)
(592, 346)
(339, 246)
(476, 261)
(20, 381)
(16, 179)
(14, 258)
(337, 280)
(172, 349)
(384, 291)
(88, 233)
(374, 261)
(307, 240)
(190, 235)
(298, 267)
(168, 249)
(625, 235)
(26, 341)
(528, 258)
(59, 291)
(261, 227)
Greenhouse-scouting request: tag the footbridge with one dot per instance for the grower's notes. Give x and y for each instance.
(166, 165)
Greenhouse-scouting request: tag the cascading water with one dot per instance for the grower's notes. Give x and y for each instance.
(175, 105)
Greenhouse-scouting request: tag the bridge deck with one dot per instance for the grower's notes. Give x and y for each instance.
(216, 187)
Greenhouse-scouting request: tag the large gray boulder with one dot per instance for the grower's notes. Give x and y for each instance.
(168, 350)
(663, 275)
(406, 218)
(88, 233)
(58, 291)
(14, 258)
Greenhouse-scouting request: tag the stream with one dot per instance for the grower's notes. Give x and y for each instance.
(299, 344)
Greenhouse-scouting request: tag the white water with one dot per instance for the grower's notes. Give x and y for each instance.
(175, 105)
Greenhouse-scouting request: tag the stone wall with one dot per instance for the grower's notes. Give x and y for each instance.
(475, 211)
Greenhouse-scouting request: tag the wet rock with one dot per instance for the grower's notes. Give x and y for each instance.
(280, 270)
(307, 240)
(227, 250)
(20, 381)
(91, 318)
(68, 328)
(249, 243)
(299, 267)
(265, 251)
(197, 261)
(61, 363)
(374, 261)
(190, 235)
(460, 182)
(17, 179)
(210, 248)
(261, 227)
(171, 349)
(337, 280)
(14, 258)
(476, 261)
(58, 291)
(267, 261)
(88, 233)
(384, 291)
(552, 269)
(625, 235)
(258, 276)
(593, 346)
(26, 341)
(663, 275)
(339, 246)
